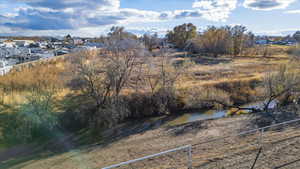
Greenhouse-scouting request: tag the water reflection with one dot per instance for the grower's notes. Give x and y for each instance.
(213, 114)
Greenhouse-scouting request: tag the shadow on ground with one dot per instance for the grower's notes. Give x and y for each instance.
(75, 144)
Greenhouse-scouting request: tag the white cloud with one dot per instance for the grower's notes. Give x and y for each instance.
(215, 10)
(50, 16)
(267, 5)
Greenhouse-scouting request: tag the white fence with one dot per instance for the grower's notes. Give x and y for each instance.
(259, 139)
(189, 155)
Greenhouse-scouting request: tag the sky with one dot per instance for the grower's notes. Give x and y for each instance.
(90, 18)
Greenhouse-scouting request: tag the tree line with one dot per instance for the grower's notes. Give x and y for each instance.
(230, 40)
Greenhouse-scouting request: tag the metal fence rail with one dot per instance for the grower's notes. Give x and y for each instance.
(188, 148)
(248, 132)
(257, 134)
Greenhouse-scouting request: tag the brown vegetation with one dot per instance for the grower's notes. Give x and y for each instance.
(97, 90)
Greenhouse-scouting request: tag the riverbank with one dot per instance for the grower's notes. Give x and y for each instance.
(149, 137)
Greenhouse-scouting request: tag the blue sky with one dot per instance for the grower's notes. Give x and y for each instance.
(95, 17)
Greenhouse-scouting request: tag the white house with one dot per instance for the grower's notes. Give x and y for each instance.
(3, 52)
(45, 55)
(94, 45)
(23, 43)
(9, 44)
(5, 70)
(6, 66)
(78, 41)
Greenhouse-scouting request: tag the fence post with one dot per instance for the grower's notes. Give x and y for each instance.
(190, 158)
(261, 140)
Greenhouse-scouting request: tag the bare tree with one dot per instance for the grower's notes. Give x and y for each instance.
(216, 41)
(280, 86)
(238, 38)
(223, 40)
(151, 41)
(161, 76)
(296, 36)
(278, 89)
(104, 75)
(181, 34)
(119, 33)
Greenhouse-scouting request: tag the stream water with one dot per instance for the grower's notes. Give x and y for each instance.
(212, 114)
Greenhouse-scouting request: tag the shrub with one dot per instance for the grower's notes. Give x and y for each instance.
(163, 101)
(32, 120)
(294, 52)
(205, 97)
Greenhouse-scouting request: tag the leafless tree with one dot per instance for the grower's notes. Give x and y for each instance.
(104, 75)
(278, 88)
(161, 75)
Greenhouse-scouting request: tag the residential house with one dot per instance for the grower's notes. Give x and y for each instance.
(6, 66)
(94, 45)
(78, 41)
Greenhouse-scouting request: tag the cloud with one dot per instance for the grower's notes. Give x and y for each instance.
(179, 14)
(39, 20)
(62, 4)
(267, 5)
(60, 15)
(215, 10)
(63, 14)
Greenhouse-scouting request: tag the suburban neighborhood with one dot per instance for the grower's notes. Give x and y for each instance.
(14, 51)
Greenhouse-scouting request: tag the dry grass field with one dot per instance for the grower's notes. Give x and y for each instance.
(205, 71)
(210, 71)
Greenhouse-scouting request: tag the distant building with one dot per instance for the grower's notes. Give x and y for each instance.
(261, 42)
(23, 43)
(68, 40)
(3, 52)
(21, 54)
(58, 44)
(94, 45)
(7, 62)
(61, 52)
(17, 43)
(78, 41)
(9, 44)
(44, 45)
(79, 49)
(6, 66)
(5, 70)
(46, 55)
(2, 40)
